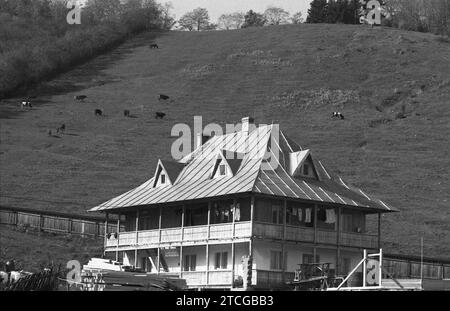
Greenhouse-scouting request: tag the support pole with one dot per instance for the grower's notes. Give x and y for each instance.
(106, 232)
(207, 243)
(364, 268)
(118, 237)
(283, 244)
(233, 255)
(338, 239)
(379, 230)
(182, 239)
(137, 239)
(158, 264)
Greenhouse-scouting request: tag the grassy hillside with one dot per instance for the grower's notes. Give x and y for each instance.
(392, 86)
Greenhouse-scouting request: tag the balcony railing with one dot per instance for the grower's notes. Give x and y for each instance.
(302, 234)
(199, 234)
(177, 235)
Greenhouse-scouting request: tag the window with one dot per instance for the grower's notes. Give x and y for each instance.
(221, 260)
(309, 258)
(163, 179)
(346, 265)
(276, 260)
(222, 170)
(277, 214)
(306, 169)
(190, 262)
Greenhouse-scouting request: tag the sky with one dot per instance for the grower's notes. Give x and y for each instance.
(219, 7)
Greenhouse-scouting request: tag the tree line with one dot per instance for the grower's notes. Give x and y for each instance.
(417, 15)
(36, 41)
(199, 19)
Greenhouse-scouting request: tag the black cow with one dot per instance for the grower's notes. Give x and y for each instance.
(98, 112)
(338, 115)
(61, 129)
(163, 97)
(80, 97)
(160, 115)
(154, 46)
(126, 113)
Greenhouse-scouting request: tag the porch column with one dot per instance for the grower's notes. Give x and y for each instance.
(338, 238)
(182, 239)
(315, 233)
(207, 242)
(118, 237)
(106, 232)
(252, 220)
(379, 230)
(283, 243)
(159, 241)
(137, 239)
(233, 255)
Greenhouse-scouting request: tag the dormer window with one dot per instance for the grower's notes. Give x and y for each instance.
(306, 169)
(163, 179)
(222, 170)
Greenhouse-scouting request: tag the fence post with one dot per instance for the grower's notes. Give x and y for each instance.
(69, 225)
(16, 218)
(41, 223)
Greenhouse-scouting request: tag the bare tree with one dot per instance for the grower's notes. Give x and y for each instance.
(168, 19)
(297, 18)
(231, 21)
(197, 19)
(276, 16)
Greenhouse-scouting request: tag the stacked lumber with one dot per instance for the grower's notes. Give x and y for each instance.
(107, 280)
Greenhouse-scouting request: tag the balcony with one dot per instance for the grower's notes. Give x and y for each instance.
(189, 236)
(302, 234)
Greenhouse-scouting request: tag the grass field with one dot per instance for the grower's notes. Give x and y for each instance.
(392, 86)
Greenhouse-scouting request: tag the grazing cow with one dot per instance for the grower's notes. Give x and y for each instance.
(80, 97)
(126, 113)
(338, 115)
(98, 112)
(61, 129)
(160, 115)
(154, 46)
(163, 97)
(26, 103)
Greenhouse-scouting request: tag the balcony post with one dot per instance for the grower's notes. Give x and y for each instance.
(283, 243)
(233, 255)
(252, 220)
(182, 239)
(207, 242)
(159, 241)
(338, 239)
(379, 230)
(118, 237)
(315, 232)
(137, 238)
(106, 231)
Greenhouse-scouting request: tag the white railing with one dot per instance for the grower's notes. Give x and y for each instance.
(187, 234)
(219, 277)
(194, 278)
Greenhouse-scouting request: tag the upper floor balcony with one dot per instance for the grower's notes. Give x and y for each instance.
(238, 220)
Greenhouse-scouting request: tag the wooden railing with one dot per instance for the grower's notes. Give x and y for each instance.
(55, 222)
(174, 235)
(303, 234)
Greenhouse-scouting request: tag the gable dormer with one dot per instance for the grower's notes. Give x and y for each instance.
(226, 163)
(167, 173)
(302, 165)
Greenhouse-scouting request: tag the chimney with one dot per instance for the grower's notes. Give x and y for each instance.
(246, 124)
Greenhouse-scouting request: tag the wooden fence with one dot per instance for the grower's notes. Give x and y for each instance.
(56, 222)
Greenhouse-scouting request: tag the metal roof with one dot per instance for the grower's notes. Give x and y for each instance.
(255, 174)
